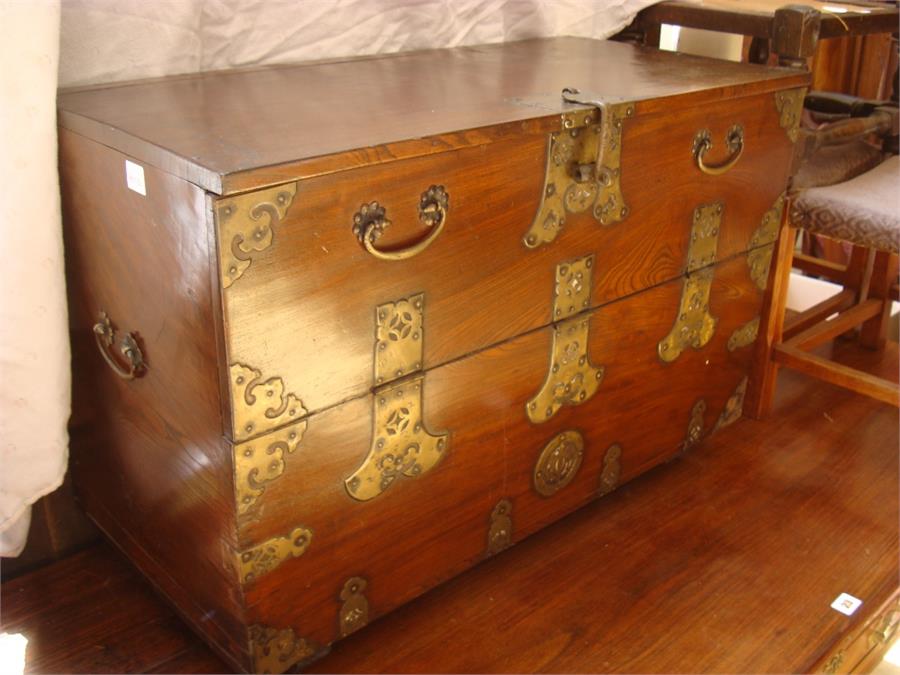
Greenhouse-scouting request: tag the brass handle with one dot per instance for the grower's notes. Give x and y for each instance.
(885, 632)
(734, 140)
(371, 220)
(105, 336)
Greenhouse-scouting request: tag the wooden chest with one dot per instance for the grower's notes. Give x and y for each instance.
(342, 330)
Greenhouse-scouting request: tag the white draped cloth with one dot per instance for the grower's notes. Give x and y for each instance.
(113, 40)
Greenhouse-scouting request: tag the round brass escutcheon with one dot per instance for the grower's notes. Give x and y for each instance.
(558, 463)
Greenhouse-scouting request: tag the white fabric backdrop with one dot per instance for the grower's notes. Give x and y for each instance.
(114, 40)
(109, 40)
(34, 348)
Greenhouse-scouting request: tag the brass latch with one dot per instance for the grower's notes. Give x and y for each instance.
(583, 168)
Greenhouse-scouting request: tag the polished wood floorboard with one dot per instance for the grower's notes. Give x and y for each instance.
(725, 560)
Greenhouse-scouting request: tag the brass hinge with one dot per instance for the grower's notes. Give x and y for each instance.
(571, 378)
(694, 325)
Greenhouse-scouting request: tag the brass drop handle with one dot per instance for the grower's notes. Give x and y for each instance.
(734, 141)
(371, 220)
(105, 336)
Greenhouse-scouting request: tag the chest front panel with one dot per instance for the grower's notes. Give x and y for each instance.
(300, 287)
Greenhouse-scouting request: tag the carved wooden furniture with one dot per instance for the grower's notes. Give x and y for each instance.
(845, 190)
(793, 30)
(331, 350)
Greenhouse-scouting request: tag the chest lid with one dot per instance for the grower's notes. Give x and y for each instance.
(233, 131)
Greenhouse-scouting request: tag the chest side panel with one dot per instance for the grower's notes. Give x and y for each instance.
(148, 458)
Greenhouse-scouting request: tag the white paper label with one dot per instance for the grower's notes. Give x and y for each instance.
(846, 604)
(134, 176)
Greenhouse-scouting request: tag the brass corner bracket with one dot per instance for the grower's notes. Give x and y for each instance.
(274, 650)
(789, 104)
(259, 560)
(246, 226)
(260, 405)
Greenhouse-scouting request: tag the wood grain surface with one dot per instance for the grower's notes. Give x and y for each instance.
(304, 309)
(433, 526)
(148, 460)
(724, 561)
(232, 131)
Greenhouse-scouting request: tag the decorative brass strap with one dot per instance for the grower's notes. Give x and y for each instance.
(246, 226)
(401, 445)
(744, 336)
(399, 338)
(371, 220)
(571, 378)
(500, 528)
(558, 463)
(734, 141)
(694, 325)
(354, 613)
(274, 650)
(105, 336)
(583, 168)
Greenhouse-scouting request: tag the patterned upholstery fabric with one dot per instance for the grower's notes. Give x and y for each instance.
(864, 210)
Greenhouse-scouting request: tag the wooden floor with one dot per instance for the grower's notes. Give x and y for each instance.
(725, 560)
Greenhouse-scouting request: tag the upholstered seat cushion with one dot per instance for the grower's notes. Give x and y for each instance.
(863, 211)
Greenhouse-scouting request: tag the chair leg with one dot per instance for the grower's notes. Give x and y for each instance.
(873, 333)
(761, 388)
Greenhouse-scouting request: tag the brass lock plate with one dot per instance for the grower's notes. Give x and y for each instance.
(583, 171)
(354, 612)
(558, 463)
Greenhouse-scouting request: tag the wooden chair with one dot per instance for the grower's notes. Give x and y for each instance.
(848, 190)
